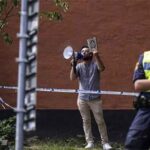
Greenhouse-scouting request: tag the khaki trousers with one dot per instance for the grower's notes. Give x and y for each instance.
(96, 107)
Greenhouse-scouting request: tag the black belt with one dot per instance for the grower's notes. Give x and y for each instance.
(141, 102)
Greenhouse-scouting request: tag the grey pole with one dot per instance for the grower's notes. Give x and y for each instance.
(21, 76)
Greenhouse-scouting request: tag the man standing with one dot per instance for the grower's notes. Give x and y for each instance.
(138, 137)
(88, 74)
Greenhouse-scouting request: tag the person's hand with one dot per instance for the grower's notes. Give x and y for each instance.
(95, 51)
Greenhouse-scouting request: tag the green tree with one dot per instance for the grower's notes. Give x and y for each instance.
(6, 10)
(8, 7)
(7, 132)
(56, 15)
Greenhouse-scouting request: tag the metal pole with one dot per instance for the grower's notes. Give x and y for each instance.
(21, 76)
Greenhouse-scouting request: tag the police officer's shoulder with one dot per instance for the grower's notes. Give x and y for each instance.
(147, 52)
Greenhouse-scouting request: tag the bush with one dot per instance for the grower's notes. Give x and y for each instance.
(7, 132)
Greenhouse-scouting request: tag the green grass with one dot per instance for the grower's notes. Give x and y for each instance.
(63, 144)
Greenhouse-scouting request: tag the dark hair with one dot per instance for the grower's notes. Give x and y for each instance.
(84, 46)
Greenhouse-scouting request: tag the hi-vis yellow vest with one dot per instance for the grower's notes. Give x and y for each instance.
(146, 64)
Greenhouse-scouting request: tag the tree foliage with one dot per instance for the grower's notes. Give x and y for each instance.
(56, 15)
(6, 10)
(8, 7)
(7, 132)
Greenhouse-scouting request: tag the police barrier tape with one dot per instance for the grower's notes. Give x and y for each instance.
(76, 91)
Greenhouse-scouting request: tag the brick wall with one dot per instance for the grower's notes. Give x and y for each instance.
(122, 31)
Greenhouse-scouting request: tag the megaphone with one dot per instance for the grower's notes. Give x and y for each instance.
(69, 52)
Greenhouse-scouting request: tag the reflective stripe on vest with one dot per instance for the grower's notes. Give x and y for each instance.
(146, 64)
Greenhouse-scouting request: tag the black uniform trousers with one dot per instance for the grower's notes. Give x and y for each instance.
(138, 137)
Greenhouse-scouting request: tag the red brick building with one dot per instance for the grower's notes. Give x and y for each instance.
(122, 29)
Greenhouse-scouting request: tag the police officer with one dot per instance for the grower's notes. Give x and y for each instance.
(138, 137)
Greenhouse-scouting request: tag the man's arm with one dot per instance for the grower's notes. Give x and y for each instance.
(73, 73)
(142, 85)
(99, 62)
